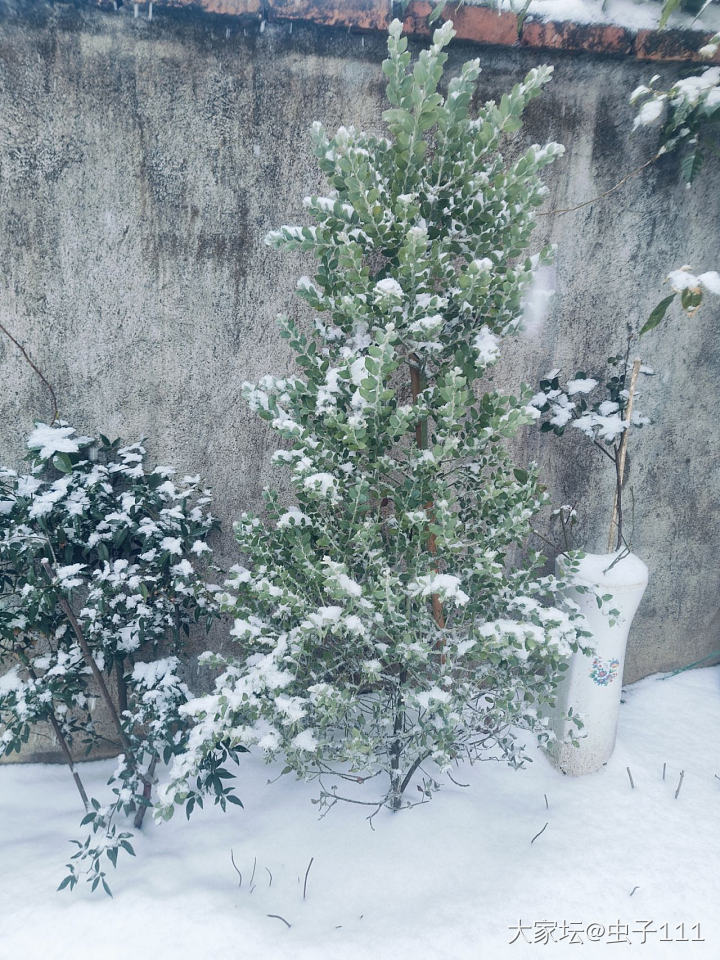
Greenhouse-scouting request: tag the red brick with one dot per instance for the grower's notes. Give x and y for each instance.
(231, 7)
(361, 14)
(593, 38)
(478, 24)
(416, 18)
(483, 24)
(235, 8)
(672, 45)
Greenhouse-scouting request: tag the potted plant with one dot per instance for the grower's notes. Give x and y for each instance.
(607, 587)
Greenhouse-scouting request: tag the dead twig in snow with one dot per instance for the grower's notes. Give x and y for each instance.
(232, 860)
(457, 782)
(276, 916)
(538, 834)
(633, 890)
(306, 877)
(632, 783)
(682, 775)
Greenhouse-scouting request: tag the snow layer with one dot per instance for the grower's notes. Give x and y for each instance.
(626, 13)
(606, 569)
(444, 880)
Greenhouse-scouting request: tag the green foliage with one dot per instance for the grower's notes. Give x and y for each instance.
(690, 111)
(121, 544)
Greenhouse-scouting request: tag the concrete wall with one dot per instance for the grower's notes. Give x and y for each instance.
(141, 164)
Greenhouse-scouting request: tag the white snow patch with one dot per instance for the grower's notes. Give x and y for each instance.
(416, 879)
(51, 440)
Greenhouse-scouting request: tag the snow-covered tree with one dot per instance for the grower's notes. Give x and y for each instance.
(381, 629)
(98, 588)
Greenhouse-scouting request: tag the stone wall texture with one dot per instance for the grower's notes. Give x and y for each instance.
(143, 160)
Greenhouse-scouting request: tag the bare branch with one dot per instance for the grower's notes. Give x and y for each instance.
(37, 370)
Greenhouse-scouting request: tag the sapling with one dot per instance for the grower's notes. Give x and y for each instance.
(602, 413)
(98, 589)
(382, 632)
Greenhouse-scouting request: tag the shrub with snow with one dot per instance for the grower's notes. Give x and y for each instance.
(602, 412)
(381, 631)
(98, 575)
(689, 111)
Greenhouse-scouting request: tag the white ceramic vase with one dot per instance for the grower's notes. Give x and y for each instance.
(592, 684)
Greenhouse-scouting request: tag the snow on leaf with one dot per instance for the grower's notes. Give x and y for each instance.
(581, 386)
(711, 281)
(388, 287)
(49, 440)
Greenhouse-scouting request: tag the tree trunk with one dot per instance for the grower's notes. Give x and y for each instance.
(417, 384)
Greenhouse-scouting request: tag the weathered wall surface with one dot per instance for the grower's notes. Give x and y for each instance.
(141, 164)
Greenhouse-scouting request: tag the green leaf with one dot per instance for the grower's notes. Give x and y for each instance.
(63, 462)
(436, 11)
(657, 314)
(669, 7)
(690, 299)
(690, 165)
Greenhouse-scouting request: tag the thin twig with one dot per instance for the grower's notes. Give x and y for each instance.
(87, 653)
(147, 793)
(64, 747)
(270, 875)
(90, 660)
(417, 386)
(232, 860)
(306, 877)
(538, 834)
(632, 784)
(457, 782)
(276, 916)
(69, 760)
(680, 781)
(37, 370)
(547, 805)
(616, 517)
(601, 196)
(664, 766)
(252, 875)
(633, 890)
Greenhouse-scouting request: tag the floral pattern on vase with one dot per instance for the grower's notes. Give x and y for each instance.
(604, 671)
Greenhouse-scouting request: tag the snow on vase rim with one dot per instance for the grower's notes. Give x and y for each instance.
(627, 573)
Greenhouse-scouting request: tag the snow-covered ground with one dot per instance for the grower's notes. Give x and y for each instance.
(448, 879)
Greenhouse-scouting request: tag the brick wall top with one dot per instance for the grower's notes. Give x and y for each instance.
(476, 24)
